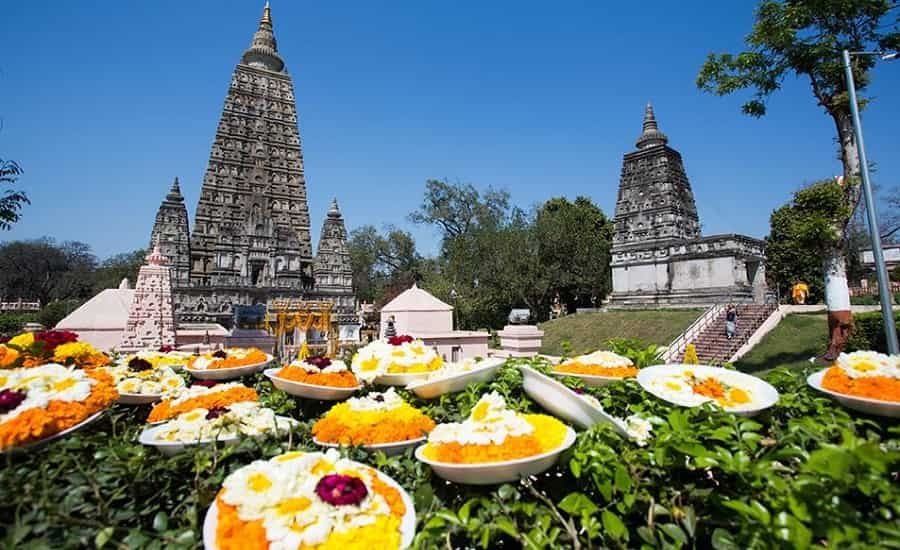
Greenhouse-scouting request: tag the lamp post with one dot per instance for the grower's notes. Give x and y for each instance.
(453, 297)
(884, 290)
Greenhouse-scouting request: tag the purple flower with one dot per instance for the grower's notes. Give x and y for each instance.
(139, 364)
(204, 383)
(220, 354)
(216, 412)
(379, 398)
(320, 362)
(10, 399)
(339, 490)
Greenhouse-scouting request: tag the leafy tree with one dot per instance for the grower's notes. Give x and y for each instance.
(43, 270)
(120, 266)
(456, 209)
(383, 263)
(574, 243)
(12, 202)
(804, 38)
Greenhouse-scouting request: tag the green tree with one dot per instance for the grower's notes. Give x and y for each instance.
(112, 270)
(457, 209)
(12, 202)
(43, 270)
(383, 263)
(804, 38)
(574, 240)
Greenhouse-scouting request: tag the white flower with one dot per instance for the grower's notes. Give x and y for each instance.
(637, 428)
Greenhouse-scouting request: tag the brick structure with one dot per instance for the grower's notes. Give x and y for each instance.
(250, 242)
(151, 320)
(658, 256)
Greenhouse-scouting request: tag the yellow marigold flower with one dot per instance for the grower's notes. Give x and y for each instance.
(73, 350)
(8, 356)
(23, 340)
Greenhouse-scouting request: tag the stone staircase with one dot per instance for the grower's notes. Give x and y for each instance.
(713, 347)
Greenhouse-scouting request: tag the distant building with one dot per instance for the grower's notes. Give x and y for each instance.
(659, 257)
(250, 242)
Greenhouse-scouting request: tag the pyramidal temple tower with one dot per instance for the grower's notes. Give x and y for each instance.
(658, 254)
(250, 241)
(151, 320)
(332, 270)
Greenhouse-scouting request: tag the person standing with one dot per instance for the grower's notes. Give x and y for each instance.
(389, 330)
(730, 322)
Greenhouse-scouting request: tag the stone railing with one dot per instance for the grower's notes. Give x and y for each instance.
(678, 345)
(20, 305)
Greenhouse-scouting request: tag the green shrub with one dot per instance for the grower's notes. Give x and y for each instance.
(864, 300)
(12, 323)
(868, 332)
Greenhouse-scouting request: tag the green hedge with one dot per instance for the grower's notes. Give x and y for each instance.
(868, 332)
(808, 473)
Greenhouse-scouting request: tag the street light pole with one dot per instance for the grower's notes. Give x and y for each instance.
(884, 290)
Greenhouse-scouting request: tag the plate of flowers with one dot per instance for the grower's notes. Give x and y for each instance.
(204, 394)
(384, 420)
(495, 444)
(454, 377)
(227, 364)
(693, 385)
(597, 369)
(559, 400)
(205, 426)
(396, 361)
(315, 378)
(139, 382)
(309, 500)
(38, 403)
(865, 381)
(165, 356)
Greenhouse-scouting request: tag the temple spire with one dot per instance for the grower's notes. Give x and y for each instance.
(175, 192)
(334, 211)
(651, 135)
(263, 50)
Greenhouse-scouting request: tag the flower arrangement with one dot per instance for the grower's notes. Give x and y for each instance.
(686, 386)
(228, 358)
(40, 401)
(32, 349)
(494, 433)
(375, 418)
(396, 355)
(599, 363)
(865, 374)
(245, 417)
(201, 396)
(308, 500)
(140, 377)
(160, 358)
(319, 371)
(448, 370)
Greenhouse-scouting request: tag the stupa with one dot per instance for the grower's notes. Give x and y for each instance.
(151, 321)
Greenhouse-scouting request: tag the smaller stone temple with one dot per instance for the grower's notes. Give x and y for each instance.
(151, 321)
(659, 257)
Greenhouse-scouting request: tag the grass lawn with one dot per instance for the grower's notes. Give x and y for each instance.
(796, 338)
(587, 332)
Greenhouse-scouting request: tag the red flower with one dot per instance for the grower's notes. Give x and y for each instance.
(216, 412)
(166, 349)
(339, 490)
(10, 399)
(53, 338)
(400, 340)
(204, 383)
(318, 361)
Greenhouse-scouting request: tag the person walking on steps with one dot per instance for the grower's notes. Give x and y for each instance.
(730, 321)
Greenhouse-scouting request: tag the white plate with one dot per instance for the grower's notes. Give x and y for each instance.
(407, 524)
(309, 391)
(762, 393)
(563, 402)
(400, 379)
(229, 373)
(482, 372)
(592, 379)
(867, 405)
(170, 448)
(492, 473)
(57, 435)
(138, 398)
(393, 448)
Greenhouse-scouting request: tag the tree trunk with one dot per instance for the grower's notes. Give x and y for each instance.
(837, 292)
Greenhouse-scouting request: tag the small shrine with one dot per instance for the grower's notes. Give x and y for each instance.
(297, 324)
(151, 320)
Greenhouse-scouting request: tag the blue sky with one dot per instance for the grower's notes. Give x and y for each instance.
(104, 102)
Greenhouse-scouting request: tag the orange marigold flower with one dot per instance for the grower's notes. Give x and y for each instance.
(884, 388)
(597, 370)
(8, 356)
(343, 379)
(165, 410)
(346, 426)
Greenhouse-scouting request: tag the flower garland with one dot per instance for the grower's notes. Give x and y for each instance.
(375, 418)
(202, 397)
(865, 374)
(33, 349)
(319, 371)
(228, 358)
(308, 500)
(38, 402)
(599, 363)
(397, 355)
(493, 433)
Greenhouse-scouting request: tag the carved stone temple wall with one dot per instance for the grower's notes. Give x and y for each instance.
(250, 241)
(151, 320)
(659, 257)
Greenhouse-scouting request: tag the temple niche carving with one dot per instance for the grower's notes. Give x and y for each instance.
(250, 241)
(659, 256)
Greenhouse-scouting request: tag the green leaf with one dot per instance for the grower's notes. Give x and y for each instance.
(723, 540)
(103, 536)
(613, 525)
(675, 532)
(160, 522)
(622, 481)
(577, 504)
